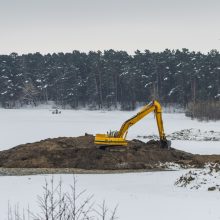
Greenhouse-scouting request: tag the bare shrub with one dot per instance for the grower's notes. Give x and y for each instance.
(57, 204)
(206, 110)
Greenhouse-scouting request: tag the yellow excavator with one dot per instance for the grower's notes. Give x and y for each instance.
(118, 138)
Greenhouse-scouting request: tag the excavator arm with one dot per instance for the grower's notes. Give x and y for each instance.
(119, 138)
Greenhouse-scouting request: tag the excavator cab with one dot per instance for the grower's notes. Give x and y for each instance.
(118, 138)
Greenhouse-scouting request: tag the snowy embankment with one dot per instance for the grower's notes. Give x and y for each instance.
(150, 195)
(190, 135)
(205, 179)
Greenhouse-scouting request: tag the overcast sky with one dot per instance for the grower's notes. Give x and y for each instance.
(64, 25)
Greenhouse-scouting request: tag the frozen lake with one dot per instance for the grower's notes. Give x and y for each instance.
(24, 126)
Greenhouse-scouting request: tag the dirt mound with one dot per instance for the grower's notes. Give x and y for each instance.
(82, 153)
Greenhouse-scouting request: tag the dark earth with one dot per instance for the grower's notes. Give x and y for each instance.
(82, 153)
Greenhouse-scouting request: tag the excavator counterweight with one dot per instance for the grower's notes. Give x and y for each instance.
(118, 138)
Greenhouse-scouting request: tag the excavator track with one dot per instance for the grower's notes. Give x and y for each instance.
(114, 148)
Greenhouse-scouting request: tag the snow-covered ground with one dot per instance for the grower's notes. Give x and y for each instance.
(139, 195)
(205, 179)
(149, 195)
(191, 135)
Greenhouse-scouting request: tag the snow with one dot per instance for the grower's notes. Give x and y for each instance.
(138, 195)
(202, 179)
(5, 77)
(171, 91)
(124, 73)
(191, 135)
(144, 76)
(29, 125)
(146, 195)
(198, 147)
(148, 84)
(195, 134)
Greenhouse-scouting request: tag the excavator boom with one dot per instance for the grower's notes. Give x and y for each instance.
(119, 138)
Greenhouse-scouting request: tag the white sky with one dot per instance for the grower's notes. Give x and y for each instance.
(48, 26)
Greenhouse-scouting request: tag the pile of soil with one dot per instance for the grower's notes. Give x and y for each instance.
(82, 153)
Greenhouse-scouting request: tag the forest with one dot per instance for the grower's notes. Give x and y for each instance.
(113, 79)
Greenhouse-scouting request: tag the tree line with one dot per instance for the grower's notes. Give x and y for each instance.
(110, 79)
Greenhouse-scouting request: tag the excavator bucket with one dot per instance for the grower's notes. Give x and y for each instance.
(165, 144)
(104, 139)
